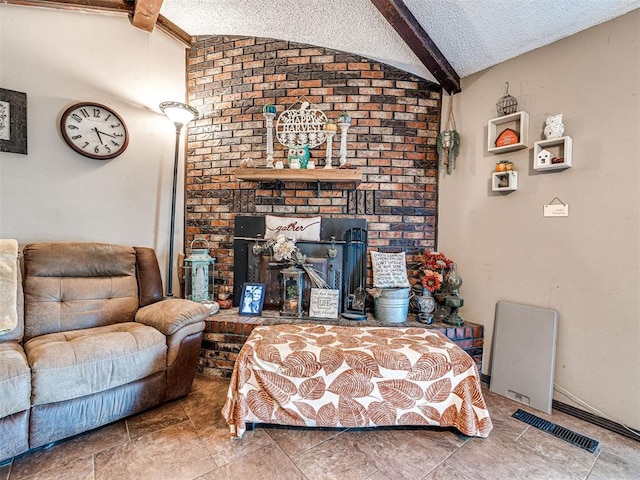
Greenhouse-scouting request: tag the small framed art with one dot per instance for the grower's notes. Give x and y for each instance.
(323, 303)
(13, 121)
(252, 299)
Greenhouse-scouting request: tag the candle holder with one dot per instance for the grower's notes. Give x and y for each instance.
(329, 157)
(269, 114)
(199, 273)
(344, 126)
(292, 292)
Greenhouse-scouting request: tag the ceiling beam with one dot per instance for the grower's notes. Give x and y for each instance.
(120, 7)
(171, 29)
(102, 6)
(145, 14)
(403, 21)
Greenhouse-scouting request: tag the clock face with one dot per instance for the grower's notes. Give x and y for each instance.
(94, 130)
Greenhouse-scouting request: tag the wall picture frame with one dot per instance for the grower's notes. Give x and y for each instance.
(13, 121)
(252, 299)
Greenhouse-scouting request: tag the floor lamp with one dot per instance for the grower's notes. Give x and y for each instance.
(180, 114)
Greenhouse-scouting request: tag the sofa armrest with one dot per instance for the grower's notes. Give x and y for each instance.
(170, 315)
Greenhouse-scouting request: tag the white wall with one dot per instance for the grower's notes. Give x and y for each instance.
(585, 266)
(54, 194)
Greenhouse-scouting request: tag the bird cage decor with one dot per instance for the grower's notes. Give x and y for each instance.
(506, 105)
(199, 273)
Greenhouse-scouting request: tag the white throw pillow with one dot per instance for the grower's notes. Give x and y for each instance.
(300, 228)
(389, 270)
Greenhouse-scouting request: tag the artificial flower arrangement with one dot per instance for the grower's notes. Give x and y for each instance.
(432, 269)
(284, 249)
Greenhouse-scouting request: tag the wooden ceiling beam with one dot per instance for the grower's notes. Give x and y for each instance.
(403, 21)
(119, 7)
(145, 14)
(171, 29)
(103, 6)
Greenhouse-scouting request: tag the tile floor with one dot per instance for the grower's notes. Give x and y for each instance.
(188, 439)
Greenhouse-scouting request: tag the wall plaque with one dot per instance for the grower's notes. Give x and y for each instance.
(324, 303)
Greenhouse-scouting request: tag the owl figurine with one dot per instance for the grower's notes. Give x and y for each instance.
(298, 156)
(554, 128)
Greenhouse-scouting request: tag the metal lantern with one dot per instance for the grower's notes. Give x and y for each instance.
(292, 285)
(507, 104)
(199, 273)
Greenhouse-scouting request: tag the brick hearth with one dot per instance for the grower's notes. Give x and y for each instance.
(226, 332)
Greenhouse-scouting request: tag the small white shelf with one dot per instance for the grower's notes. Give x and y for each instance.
(519, 122)
(504, 181)
(545, 150)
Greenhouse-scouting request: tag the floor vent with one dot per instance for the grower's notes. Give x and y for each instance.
(565, 434)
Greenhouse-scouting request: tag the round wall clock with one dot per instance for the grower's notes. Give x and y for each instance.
(94, 130)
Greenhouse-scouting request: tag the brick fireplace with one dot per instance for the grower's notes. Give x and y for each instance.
(392, 138)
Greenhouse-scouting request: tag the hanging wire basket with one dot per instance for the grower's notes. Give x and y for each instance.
(507, 104)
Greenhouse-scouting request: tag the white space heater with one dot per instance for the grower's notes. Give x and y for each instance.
(523, 354)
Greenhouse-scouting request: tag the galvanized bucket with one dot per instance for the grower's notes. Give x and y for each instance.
(392, 305)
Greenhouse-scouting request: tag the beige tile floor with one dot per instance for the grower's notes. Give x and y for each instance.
(188, 439)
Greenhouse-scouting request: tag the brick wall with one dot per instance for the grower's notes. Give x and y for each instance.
(395, 122)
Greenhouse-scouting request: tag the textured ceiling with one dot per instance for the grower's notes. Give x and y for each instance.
(471, 34)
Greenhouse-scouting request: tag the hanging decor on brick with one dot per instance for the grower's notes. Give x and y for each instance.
(302, 124)
(448, 142)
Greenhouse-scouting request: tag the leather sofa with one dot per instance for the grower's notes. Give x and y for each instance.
(95, 342)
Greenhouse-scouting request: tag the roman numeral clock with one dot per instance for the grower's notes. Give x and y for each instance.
(94, 130)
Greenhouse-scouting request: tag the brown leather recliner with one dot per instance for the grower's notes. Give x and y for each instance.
(95, 342)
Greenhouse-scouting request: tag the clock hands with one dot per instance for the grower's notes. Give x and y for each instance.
(98, 132)
(107, 134)
(95, 129)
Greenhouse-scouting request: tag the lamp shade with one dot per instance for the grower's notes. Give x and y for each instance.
(179, 113)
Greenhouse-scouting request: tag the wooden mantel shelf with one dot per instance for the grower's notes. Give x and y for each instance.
(299, 175)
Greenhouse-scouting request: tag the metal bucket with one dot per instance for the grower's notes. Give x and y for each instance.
(392, 305)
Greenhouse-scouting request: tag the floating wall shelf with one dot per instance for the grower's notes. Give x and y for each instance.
(519, 122)
(545, 150)
(330, 175)
(504, 181)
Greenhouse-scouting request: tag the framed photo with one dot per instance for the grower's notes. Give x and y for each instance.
(252, 299)
(324, 303)
(13, 121)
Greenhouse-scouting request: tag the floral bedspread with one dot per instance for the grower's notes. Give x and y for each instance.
(335, 376)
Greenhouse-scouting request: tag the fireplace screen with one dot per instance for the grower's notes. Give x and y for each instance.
(332, 257)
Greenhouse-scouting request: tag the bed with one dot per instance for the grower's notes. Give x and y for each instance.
(335, 376)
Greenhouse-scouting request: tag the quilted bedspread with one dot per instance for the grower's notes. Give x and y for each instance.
(335, 376)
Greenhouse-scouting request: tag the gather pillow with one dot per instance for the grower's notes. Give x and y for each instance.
(389, 270)
(299, 228)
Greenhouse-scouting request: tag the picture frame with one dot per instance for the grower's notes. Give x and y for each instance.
(13, 121)
(324, 303)
(252, 299)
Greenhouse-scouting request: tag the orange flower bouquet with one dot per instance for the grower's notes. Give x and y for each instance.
(435, 261)
(432, 269)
